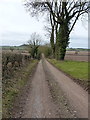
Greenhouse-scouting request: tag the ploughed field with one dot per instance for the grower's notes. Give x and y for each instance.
(77, 56)
(70, 55)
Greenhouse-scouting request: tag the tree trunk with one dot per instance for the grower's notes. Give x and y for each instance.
(52, 42)
(62, 40)
(56, 45)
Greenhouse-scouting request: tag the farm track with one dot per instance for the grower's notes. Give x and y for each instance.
(42, 98)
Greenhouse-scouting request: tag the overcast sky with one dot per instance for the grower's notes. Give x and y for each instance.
(16, 26)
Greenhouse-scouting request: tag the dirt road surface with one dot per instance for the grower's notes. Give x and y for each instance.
(39, 102)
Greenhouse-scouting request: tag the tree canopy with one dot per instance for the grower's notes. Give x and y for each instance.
(63, 16)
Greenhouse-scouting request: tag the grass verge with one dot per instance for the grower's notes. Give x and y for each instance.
(74, 69)
(14, 86)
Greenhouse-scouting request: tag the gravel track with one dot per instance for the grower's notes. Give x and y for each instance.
(48, 92)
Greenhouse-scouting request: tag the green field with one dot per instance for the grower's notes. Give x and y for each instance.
(76, 69)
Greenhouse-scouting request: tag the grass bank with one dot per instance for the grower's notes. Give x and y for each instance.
(74, 69)
(14, 86)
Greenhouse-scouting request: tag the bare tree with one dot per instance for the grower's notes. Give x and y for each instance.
(34, 43)
(63, 12)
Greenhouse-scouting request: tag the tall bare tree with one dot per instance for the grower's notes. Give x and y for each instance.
(65, 13)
